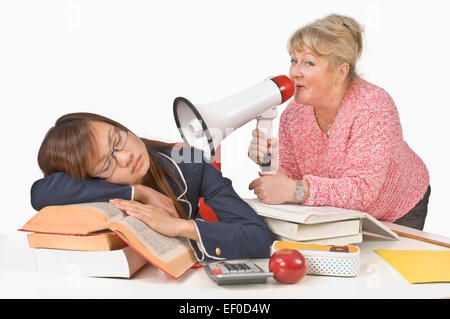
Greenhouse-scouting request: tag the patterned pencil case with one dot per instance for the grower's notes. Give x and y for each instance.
(325, 260)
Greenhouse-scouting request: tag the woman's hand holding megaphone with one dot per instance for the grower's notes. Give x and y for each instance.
(274, 186)
(260, 147)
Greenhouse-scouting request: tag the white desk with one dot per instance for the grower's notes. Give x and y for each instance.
(377, 280)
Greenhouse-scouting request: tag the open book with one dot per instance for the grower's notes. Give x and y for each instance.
(172, 255)
(312, 215)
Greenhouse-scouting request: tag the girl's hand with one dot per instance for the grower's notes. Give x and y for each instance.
(157, 219)
(147, 195)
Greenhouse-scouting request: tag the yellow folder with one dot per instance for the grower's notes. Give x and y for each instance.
(419, 266)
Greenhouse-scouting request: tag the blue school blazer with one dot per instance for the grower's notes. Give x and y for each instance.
(240, 232)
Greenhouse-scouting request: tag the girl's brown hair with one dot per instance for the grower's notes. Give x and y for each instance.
(69, 147)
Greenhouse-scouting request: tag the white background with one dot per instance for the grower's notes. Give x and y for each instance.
(128, 60)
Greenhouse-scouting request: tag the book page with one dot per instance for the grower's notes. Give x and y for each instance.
(166, 248)
(371, 225)
(302, 214)
(111, 213)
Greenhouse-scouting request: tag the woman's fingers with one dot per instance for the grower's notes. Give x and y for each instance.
(257, 150)
(258, 134)
(260, 147)
(254, 184)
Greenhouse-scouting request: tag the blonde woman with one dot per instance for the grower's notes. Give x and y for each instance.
(340, 138)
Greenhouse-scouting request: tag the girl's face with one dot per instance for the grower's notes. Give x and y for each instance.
(312, 77)
(130, 161)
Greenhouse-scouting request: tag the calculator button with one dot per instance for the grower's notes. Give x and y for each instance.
(255, 268)
(217, 271)
(231, 268)
(223, 269)
(240, 268)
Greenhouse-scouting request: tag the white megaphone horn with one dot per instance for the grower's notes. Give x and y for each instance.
(205, 126)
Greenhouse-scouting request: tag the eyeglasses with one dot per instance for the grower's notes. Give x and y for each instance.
(111, 162)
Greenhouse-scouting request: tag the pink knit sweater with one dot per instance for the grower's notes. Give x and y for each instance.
(364, 164)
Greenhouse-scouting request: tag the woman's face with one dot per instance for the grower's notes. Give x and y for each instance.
(132, 161)
(312, 77)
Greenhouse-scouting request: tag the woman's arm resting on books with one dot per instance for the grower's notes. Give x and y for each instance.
(276, 188)
(158, 219)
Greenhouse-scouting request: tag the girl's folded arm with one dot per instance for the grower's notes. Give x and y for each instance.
(61, 189)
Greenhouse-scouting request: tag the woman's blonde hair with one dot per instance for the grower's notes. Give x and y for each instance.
(337, 37)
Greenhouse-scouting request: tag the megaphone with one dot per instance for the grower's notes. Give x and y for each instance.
(205, 126)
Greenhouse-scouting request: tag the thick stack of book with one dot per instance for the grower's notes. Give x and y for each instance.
(319, 225)
(97, 239)
(100, 254)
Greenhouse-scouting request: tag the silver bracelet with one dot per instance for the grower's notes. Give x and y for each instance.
(299, 192)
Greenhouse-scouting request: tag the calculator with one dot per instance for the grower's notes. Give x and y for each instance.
(227, 273)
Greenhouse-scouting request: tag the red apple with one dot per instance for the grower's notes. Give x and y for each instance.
(288, 266)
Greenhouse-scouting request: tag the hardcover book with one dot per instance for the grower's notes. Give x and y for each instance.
(299, 217)
(172, 255)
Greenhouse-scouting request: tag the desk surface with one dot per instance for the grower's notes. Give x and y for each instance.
(377, 279)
